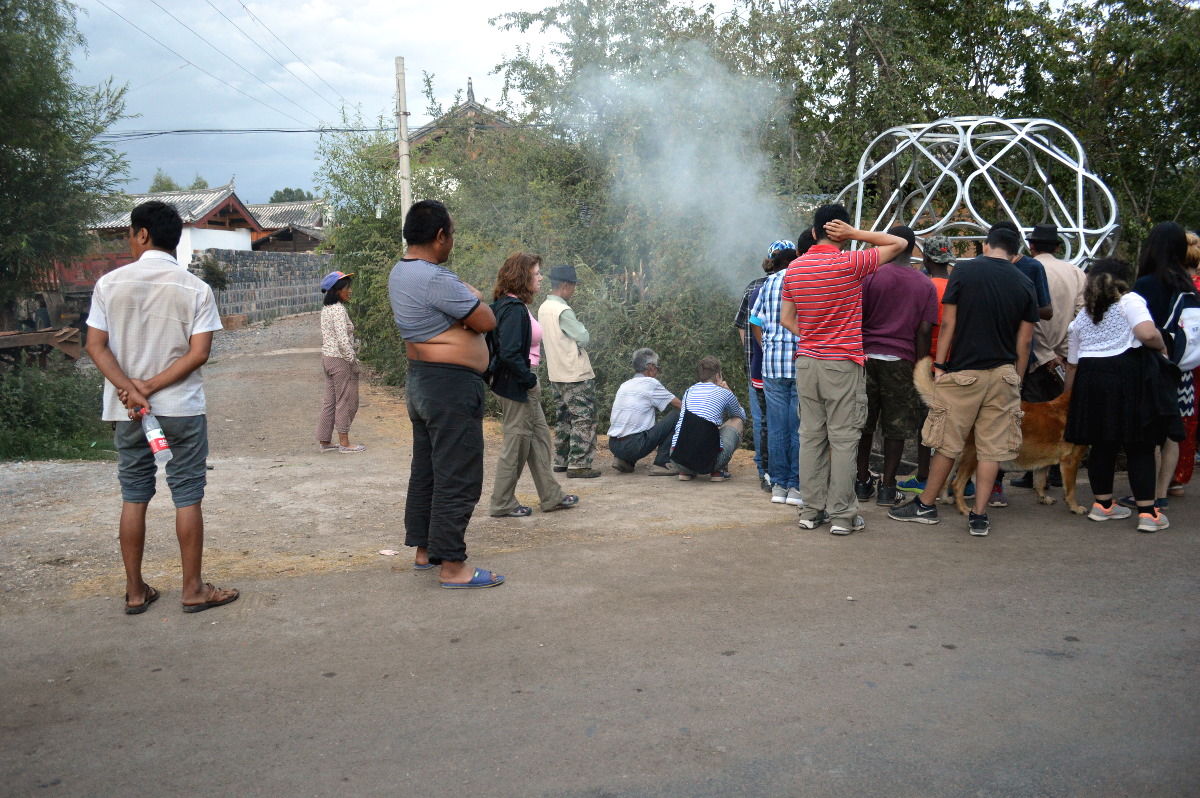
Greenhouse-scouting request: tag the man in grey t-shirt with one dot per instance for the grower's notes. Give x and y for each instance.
(442, 321)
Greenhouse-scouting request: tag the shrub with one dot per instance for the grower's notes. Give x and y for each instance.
(52, 412)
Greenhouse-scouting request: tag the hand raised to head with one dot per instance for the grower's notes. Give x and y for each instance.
(838, 231)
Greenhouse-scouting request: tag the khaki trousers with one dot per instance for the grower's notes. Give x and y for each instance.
(340, 404)
(526, 442)
(833, 412)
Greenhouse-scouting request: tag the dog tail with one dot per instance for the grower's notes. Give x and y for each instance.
(923, 378)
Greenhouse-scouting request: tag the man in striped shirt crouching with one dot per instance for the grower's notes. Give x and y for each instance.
(822, 305)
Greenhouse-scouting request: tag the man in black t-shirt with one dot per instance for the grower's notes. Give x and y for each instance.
(989, 311)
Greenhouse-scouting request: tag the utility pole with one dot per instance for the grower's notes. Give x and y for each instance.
(405, 172)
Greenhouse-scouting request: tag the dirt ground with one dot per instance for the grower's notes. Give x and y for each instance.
(665, 638)
(275, 506)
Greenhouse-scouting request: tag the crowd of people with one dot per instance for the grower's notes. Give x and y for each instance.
(833, 338)
(832, 341)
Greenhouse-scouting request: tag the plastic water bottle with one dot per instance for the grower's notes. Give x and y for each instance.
(156, 438)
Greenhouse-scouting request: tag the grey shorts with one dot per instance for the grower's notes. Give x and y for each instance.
(187, 471)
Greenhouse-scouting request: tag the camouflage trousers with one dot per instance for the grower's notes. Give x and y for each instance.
(575, 423)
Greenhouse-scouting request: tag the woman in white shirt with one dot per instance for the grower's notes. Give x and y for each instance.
(340, 363)
(1112, 376)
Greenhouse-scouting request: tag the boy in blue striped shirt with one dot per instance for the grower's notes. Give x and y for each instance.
(711, 401)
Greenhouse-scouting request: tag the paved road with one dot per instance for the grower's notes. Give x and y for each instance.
(1055, 657)
(664, 639)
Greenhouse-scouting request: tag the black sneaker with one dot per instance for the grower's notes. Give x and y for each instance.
(865, 489)
(1054, 478)
(886, 497)
(915, 511)
(1023, 481)
(560, 469)
(979, 525)
(624, 466)
(583, 473)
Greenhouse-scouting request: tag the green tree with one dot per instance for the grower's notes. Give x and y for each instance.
(198, 183)
(291, 195)
(163, 182)
(1130, 90)
(54, 174)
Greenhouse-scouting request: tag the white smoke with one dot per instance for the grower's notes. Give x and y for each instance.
(685, 135)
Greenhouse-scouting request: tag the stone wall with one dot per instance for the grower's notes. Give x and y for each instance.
(264, 285)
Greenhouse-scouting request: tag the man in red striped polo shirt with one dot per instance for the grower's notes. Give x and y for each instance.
(822, 306)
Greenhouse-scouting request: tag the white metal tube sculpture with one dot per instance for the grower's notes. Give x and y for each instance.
(958, 176)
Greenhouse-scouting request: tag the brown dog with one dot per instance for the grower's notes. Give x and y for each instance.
(1042, 445)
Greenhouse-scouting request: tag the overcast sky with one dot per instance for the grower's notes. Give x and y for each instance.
(349, 45)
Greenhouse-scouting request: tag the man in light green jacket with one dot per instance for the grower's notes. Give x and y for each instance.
(564, 341)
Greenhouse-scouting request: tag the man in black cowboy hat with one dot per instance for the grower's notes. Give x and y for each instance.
(564, 340)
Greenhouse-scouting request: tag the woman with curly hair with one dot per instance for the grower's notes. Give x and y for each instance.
(518, 352)
(1113, 405)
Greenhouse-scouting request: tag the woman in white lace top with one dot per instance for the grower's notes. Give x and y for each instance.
(340, 363)
(1110, 374)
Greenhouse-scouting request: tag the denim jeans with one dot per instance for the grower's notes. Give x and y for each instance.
(783, 430)
(758, 412)
(445, 406)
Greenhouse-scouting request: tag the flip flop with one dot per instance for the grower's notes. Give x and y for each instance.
(481, 578)
(569, 501)
(424, 567)
(208, 605)
(150, 597)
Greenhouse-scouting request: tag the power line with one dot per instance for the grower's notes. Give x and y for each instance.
(197, 66)
(270, 55)
(160, 77)
(136, 135)
(290, 50)
(184, 25)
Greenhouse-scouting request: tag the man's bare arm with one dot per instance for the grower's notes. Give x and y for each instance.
(199, 347)
(1046, 313)
(924, 339)
(945, 334)
(787, 316)
(481, 319)
(106, 361)
(1024, 338)
(757, 331)
(889, 246)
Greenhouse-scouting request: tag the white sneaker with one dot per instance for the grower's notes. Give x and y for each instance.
(793, 498)
(1098, 513)
(857, 524)
(779, 494)
(1150, 523)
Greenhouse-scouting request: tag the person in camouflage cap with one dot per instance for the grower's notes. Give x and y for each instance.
(938, 249)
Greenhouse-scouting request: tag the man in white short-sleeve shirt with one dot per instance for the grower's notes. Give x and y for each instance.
(632, 431)
(152, 324)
